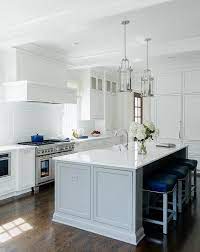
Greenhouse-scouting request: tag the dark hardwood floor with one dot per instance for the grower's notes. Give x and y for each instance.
(29, 228)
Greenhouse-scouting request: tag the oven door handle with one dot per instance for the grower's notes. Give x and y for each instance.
(5, 158)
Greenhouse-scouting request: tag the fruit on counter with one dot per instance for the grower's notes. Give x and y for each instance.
(96, 132)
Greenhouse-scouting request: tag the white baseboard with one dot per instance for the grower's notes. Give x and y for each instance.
(97, 228)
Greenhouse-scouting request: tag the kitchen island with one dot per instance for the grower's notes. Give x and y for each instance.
(101, 190)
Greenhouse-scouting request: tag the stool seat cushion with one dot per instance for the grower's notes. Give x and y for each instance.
(180, 171)
(160, 183)
(191, 163)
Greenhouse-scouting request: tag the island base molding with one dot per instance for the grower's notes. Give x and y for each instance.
(132, 238)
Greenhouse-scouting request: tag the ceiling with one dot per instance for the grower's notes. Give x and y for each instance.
(88, 33)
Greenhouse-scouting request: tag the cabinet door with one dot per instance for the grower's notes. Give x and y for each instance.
(26, 171)
(108, 111)
(168, 116)
(169, 83)
(100, 102)
(191, 117)
(74, 181)
(93, 104)
(111, 111)
(93, 83)
(96, 104)
(110, 205)
(191, 82)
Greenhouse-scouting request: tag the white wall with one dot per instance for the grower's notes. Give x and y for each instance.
(8, 65)
(21, 120)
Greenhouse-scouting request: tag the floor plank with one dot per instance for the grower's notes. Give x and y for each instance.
(30, 228)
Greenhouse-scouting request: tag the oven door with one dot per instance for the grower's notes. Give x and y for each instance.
(43, 169)
(5, 164)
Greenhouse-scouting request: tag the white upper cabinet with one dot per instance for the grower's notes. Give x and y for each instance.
(96, 104)
(98, 97)
(114, 87)
(108, 86)
(191, 84)
(92, 98)
(168, 116)
(170, 83)
(93, 83)
(100, 84)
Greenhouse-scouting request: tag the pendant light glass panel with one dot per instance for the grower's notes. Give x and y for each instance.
(147, 80)
(125, 70)
(125, 76)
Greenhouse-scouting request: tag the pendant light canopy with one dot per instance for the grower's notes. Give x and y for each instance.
(125, 69)
(147, 80)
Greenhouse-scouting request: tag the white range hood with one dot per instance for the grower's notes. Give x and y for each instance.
(33, 92)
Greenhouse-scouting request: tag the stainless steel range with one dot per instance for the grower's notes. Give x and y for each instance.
(45, 151)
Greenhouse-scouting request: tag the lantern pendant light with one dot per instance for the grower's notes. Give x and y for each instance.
(125, 69)
(147, 80)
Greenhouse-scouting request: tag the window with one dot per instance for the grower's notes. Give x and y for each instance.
(138, 108)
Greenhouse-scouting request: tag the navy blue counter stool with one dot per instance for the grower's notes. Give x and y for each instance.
(162, 184)
(192, 165)
(182, 173)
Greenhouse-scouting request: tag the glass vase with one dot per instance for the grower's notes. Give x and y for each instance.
(142, 149)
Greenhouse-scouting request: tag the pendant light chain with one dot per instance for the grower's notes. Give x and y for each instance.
(125, 40)
(147, 54)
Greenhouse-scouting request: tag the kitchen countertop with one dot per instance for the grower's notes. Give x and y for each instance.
(91, 138)
(5, 148)
(114, 157)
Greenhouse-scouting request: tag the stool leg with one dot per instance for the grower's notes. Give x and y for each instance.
(180, 191)
(148, 198)
(175, 203)
(190, 185)
(195, 182)
(187, 189)
(165, 208)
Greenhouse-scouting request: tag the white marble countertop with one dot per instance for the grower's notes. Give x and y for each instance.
(114, 157)
(91, 138)
(6, 148)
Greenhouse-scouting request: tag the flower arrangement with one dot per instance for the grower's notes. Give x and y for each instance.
(142, 133)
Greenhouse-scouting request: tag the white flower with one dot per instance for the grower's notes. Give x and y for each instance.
(133, 129)
(156, 134)
(150, 125)
(140, 136)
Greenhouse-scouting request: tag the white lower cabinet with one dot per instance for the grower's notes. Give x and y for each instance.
(8, 183)
(26, 169)
(110, 205)
(22, 177)
(75, 181)
(99, 199)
